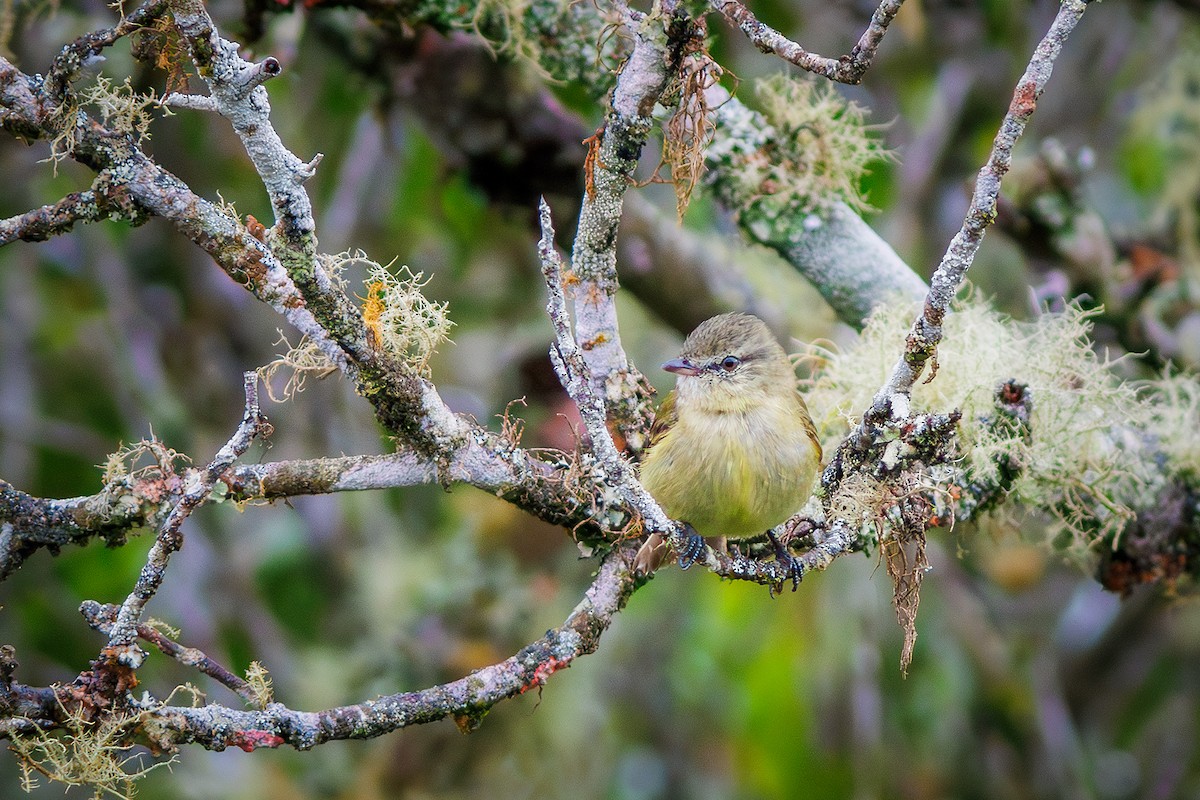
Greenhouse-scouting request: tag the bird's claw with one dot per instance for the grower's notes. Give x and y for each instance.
(693, 549)
(793, 568)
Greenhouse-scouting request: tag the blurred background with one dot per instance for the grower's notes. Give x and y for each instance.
(1028, 680)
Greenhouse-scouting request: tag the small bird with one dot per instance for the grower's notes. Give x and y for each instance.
(733, 451)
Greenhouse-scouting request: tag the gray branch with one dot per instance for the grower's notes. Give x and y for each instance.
(849, 68)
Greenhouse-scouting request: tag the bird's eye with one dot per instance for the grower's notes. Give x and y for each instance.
(730, 363)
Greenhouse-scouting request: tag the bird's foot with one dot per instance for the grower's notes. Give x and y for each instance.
(792, 566)
(693, 549)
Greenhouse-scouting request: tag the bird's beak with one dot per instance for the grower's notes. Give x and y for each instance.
(681, 366)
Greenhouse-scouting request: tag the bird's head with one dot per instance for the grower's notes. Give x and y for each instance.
(729, 363)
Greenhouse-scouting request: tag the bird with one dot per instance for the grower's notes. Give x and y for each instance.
(732, 451)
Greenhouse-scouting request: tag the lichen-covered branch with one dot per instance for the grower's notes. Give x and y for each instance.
(926, 332)
(804, 219)
(101, 617)
(546, 489)
(467, 700)
(50, 220)
(659, 42)
(28, 523)
(574, 372)
(69, 63)
(140, 187)
(121, 640)
(849, 68)
(237, 93)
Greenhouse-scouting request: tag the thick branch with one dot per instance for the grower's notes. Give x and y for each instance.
(832, 247)
(658, 43)
(486, 461)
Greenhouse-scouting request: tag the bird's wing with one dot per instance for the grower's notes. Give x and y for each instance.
(810, 428)
(664, 419)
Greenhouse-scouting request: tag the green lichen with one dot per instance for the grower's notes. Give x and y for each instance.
(1085, 463)
(564, 40)
(807, 150)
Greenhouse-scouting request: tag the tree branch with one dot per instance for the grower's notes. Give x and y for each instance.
(121, 640)
(102, 616)
(658, 44)
(892, 400)
(467, 700)
(847, 69)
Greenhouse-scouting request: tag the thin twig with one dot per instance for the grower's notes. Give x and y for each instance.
(170, 536)
(101, 617)
(236, 93)
(52, 219)
(69, 63)
(891, 402)
(573, 372)
(847, 69)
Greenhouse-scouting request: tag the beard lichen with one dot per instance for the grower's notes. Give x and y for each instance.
(806, 151)
(399, 319)
(86, 752)
(1098, 448)
(302, 361)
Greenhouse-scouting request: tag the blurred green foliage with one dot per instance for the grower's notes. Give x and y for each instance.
(1027, 681)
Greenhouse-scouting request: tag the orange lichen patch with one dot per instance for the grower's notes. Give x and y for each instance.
(1024, 100)
(372, 309)
(255, 228)
(591, 160)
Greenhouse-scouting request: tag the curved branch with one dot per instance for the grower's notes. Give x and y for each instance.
(121, 639)
(467, 700)
(849, 68)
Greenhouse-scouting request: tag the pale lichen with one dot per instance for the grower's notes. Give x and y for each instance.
(399, 319)
(259, 680)
(1084, 463)
(82, 752)
(123, 111)
(302, 361)
(807, 150)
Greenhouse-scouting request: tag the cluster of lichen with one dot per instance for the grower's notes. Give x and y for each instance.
(563, 40)
(96, 754)
(123, 111)
(1099, 448)
(809, 148)
(399, 319)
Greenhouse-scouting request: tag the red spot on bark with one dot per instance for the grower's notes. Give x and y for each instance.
(544, 671)
(1024, 99)
(252, 740)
